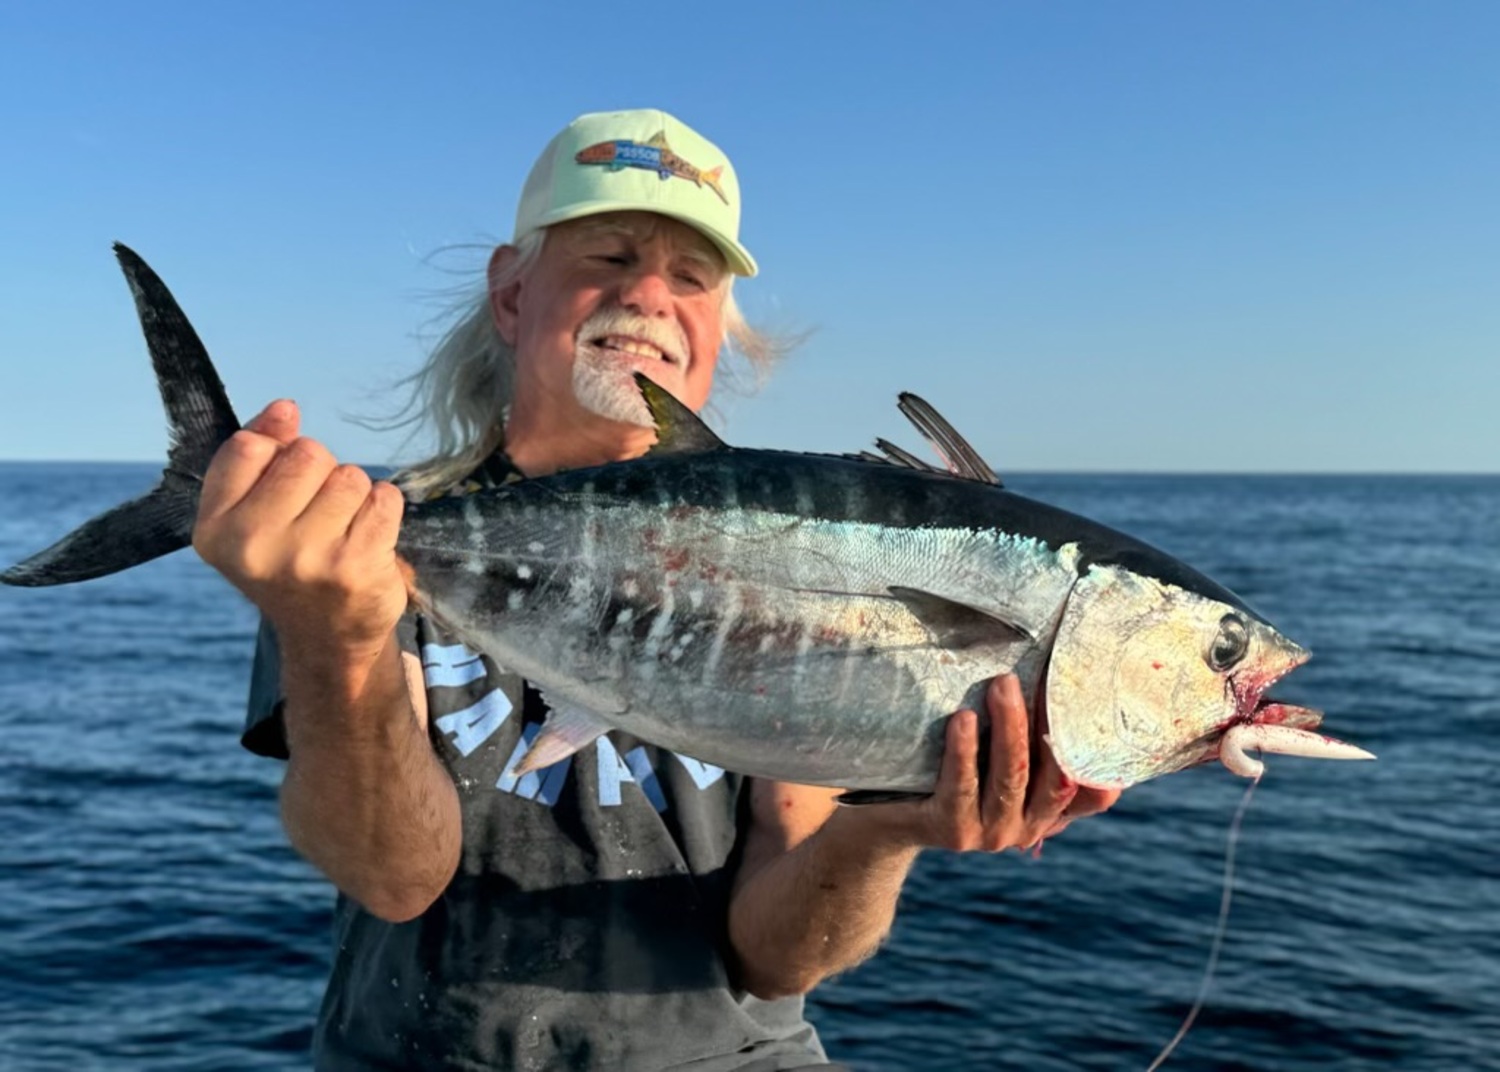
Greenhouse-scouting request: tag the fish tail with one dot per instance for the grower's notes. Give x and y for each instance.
(200, 419)
(712, 178)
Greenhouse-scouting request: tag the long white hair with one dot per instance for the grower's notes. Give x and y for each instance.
(462, 393)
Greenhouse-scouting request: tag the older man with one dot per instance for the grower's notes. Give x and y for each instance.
(627, 908)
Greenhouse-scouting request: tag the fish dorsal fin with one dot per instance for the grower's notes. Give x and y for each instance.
(659, 140)
(890, 454)
(960, 458)
(957, 625)
(678, 429)
(566, 730)
(900, 456)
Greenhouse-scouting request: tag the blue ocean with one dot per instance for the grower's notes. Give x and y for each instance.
(153, 917)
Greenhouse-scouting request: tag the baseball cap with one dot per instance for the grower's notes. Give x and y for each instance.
(642, 160)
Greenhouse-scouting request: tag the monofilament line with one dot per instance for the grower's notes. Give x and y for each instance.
(1225, 900)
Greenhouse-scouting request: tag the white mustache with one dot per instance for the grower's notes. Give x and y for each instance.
(666, 336)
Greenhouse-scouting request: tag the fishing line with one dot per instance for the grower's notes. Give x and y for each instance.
(1225, 900)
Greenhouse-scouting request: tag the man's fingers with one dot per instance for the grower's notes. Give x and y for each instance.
(237, 465)
(1004, 798)
(378, 520)
(957, 791)
(1092, 802)
(281, 421)
(331, 511)
(296, 474)
(243, 458)
(1050, 795)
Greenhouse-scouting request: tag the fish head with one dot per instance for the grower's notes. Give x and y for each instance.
(1146, 676)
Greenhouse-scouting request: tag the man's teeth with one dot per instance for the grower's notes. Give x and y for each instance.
(634, 346)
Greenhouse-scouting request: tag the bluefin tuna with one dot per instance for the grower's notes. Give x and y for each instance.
(806, 618)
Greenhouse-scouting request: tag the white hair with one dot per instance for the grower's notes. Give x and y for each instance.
(463, 392)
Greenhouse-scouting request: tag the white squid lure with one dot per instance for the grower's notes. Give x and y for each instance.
(1282, 740)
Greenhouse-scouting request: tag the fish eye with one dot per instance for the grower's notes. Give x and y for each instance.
(1231, 643)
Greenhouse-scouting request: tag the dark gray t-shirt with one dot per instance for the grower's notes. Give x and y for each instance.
(586, 926)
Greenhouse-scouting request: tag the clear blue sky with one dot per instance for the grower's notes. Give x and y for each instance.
(1145, 235)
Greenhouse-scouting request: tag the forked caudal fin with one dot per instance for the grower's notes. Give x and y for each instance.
(200, 419)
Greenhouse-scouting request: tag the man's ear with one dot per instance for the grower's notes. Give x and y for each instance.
(505, 300)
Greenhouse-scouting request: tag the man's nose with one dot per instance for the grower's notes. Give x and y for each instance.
(647, 292)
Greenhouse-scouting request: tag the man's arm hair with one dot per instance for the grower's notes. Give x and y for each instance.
(364, 798)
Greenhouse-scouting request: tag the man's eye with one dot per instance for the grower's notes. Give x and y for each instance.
(610, 258)
(692, 280)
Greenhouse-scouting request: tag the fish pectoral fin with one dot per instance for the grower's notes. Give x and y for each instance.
(957, 625)
(678, 429)
(859, 798)
(566, 730)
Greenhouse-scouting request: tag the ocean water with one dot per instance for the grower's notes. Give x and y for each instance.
(153, 917)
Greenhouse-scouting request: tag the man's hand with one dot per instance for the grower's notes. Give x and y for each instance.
(1023, 797)
(312, 543)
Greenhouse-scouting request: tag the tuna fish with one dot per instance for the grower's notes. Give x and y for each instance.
(806, 618)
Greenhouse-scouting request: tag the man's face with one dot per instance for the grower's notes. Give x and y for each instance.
(611, 295)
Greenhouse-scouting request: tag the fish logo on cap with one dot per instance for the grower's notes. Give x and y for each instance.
(653, 155)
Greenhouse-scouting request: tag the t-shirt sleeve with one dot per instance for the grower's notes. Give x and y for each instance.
(265, 734)
(265, 731)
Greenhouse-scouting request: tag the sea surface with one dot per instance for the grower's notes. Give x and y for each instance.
(153, 917)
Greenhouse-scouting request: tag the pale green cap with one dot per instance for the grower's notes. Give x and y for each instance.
(643, 161)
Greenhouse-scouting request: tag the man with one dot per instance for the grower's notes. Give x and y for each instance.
(627, 908)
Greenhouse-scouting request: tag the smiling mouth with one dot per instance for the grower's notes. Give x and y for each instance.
(634, 347)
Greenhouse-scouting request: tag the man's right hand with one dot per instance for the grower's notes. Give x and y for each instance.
(312, 543)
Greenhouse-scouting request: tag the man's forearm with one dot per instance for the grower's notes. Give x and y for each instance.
(364, 798)
(819, 909)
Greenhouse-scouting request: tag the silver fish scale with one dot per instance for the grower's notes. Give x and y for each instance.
(765, 642)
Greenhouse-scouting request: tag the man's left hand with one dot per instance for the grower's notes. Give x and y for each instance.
(1022, 798)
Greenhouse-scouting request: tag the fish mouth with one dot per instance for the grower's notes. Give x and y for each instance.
(1270, 725)
(1272, 712)
(1252, 704)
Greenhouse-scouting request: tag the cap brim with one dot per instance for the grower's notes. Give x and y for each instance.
(736, 256)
